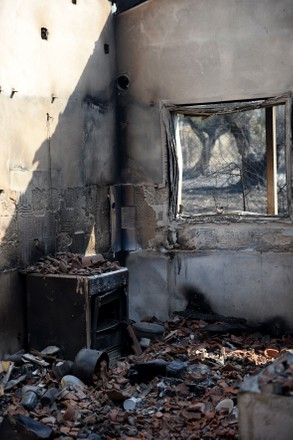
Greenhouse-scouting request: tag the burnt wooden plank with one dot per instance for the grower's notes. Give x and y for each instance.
(272, 202)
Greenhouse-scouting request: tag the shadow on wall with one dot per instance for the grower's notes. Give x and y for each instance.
(65, 206)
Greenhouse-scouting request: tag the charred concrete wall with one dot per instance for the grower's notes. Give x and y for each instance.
(58, 139)
(192, 52)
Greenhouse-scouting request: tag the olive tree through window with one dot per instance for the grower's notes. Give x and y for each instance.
(231, 158)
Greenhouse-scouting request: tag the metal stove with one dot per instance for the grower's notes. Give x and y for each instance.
(73, 312)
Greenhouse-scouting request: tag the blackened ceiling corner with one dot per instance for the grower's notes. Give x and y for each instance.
(124, 5)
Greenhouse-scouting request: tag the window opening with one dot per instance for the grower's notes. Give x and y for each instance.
(229, 158)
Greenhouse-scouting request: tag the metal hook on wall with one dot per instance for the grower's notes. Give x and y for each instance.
(13, 91)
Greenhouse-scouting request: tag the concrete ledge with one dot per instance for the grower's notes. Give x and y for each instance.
(265, 416)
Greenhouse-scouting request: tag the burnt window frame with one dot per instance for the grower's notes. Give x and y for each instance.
(210, 108)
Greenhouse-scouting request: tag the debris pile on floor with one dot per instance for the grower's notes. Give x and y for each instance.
(183, 386)
(73, 264)
(276, 378)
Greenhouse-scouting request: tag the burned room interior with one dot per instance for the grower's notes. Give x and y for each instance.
(146, 219)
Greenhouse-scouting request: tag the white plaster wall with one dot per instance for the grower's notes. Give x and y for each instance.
(37, 67)
(70, 65)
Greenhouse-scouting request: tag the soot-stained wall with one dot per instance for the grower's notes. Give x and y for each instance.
(188, 52)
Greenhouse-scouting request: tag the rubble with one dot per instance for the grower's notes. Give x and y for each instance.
(276, 378)
(72, 264)
(184, 386)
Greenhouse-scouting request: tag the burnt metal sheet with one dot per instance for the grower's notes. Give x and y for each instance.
(99, 284)
(56, 313)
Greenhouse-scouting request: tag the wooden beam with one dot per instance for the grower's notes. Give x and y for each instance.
(272, 200)
(288, 152)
